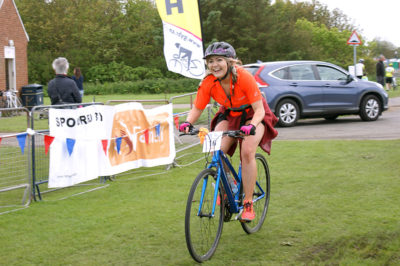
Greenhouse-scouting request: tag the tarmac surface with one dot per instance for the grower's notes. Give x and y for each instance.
(347, 127)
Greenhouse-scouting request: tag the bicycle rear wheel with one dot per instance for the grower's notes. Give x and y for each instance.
(202, 232)
(262, 188)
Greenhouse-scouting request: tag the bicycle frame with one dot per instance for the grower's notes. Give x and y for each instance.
(211, 201)
(217, 161)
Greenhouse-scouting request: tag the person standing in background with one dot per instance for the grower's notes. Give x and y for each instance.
(78, 78)
(62, 89)
(360, 69)
(380, 71)
(389, 77)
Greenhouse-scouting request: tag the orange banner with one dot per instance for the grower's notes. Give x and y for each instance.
(131, 126)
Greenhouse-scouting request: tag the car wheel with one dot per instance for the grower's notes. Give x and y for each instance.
(370, 108)
(287, 112)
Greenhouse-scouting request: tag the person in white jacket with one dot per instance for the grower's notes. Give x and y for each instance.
(360, 69)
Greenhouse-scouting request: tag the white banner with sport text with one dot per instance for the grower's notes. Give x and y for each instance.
(105, 140)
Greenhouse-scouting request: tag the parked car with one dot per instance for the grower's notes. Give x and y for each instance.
(305, 89)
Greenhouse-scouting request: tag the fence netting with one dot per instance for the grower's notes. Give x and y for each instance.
(15, 163)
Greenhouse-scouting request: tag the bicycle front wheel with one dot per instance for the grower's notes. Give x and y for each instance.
(202, 229)
(260, 196)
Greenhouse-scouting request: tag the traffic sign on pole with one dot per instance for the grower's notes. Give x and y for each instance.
(354, 39)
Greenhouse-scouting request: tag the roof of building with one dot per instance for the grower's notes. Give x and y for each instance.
(19, 16)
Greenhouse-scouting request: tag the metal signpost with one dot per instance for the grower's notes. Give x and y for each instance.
(354, 41)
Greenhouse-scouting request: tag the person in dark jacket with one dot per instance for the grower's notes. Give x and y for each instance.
(78, 78)
(62, 89)
(380, 71)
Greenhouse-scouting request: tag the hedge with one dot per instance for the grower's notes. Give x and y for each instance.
(147, 86)
(151, 86)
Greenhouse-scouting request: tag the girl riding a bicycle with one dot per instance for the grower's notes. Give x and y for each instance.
(242, 107)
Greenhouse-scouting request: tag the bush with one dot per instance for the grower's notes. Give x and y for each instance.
(119, 72)
(39, 66)
(151, 86)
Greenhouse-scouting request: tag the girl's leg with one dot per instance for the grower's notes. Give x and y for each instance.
(226, 142)
(249, 167)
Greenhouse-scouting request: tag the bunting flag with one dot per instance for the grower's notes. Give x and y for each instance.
(157, 130)
(176, 120)
(146, 136)
(118, 142)
(21, 141)
(47, 142)
(0, 140)
(183, 44)
(104, 144)
(70, 145)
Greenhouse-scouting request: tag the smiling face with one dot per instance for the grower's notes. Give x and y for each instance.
(217, 65)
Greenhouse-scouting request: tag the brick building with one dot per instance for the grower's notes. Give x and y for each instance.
(13, 48)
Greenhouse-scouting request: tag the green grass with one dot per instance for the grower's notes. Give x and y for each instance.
(332, 203)
(395, 93)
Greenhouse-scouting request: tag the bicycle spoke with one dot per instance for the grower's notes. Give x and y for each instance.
(202, 230)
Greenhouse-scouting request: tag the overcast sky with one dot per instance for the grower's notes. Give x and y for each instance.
(377, 18)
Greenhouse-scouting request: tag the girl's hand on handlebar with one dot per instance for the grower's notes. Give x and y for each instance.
(186, 127)
(249, 129)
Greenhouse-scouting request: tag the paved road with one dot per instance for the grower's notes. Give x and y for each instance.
(347, 127)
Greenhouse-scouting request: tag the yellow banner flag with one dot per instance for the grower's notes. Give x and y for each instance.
(181, 13)
(183, 44)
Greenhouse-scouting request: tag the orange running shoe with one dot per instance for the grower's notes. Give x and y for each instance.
(248, 214)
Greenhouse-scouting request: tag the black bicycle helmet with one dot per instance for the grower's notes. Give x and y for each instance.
(220, 48)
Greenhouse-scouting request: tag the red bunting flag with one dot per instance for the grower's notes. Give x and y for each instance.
(104, 142)
(146, 136)
(0, 140)
(176, 119)
(47, 142)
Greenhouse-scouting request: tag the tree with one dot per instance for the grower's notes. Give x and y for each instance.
(320, 43)
(90, 32)
(129, 33)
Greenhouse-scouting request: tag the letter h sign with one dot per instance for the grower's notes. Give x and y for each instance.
(170, 5)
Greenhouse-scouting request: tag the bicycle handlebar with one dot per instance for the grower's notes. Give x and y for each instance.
(229, 133)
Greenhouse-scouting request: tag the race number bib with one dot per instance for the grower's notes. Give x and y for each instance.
(212, 141)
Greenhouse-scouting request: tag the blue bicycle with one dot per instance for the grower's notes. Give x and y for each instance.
(212, 201)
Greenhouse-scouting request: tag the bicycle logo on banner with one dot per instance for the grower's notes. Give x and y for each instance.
(182, 62)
